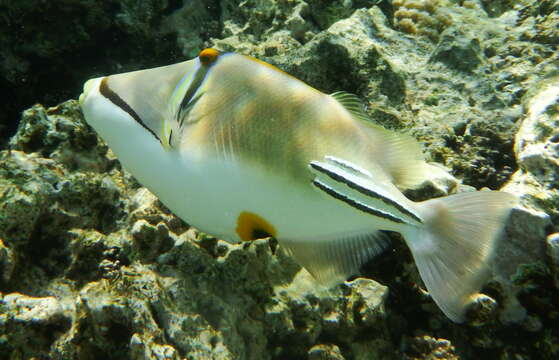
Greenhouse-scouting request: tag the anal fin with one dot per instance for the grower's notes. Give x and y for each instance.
(332, 259)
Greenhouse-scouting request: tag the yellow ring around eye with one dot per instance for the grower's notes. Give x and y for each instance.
(208, 56)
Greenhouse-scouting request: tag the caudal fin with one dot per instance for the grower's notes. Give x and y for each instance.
(453, 249)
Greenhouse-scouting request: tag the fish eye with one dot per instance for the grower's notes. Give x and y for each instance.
(208, 56)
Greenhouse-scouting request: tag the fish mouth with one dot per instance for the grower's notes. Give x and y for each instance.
(86, 89)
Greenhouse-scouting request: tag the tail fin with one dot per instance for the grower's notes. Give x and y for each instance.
(453, 249)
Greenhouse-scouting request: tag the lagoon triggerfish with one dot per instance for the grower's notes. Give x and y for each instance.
(242, 150)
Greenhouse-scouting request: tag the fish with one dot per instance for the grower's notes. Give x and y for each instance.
(241, 150)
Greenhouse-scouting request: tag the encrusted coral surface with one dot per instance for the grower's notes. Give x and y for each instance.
(93, 266)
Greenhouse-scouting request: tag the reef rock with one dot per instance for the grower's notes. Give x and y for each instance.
(101, 269)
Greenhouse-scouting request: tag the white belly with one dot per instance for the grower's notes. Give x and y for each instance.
(210, 194)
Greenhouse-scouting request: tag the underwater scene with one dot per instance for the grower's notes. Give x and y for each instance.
(279, 179)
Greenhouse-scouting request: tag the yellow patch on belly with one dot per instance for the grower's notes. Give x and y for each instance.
(251, 227)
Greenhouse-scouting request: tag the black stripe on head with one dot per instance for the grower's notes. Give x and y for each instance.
(207, 58)
(364, 191)
(355, 204)
(197, 81)
(113, 97)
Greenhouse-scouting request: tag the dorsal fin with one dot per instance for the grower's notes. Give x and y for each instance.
(352, 104)
(398, 154)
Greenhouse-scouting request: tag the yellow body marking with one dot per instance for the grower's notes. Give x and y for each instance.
(251, 227)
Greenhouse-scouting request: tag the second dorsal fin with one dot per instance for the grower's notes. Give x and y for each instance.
(352, 104)
(398, 154)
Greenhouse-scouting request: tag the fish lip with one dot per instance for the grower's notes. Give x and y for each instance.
(87, 86)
